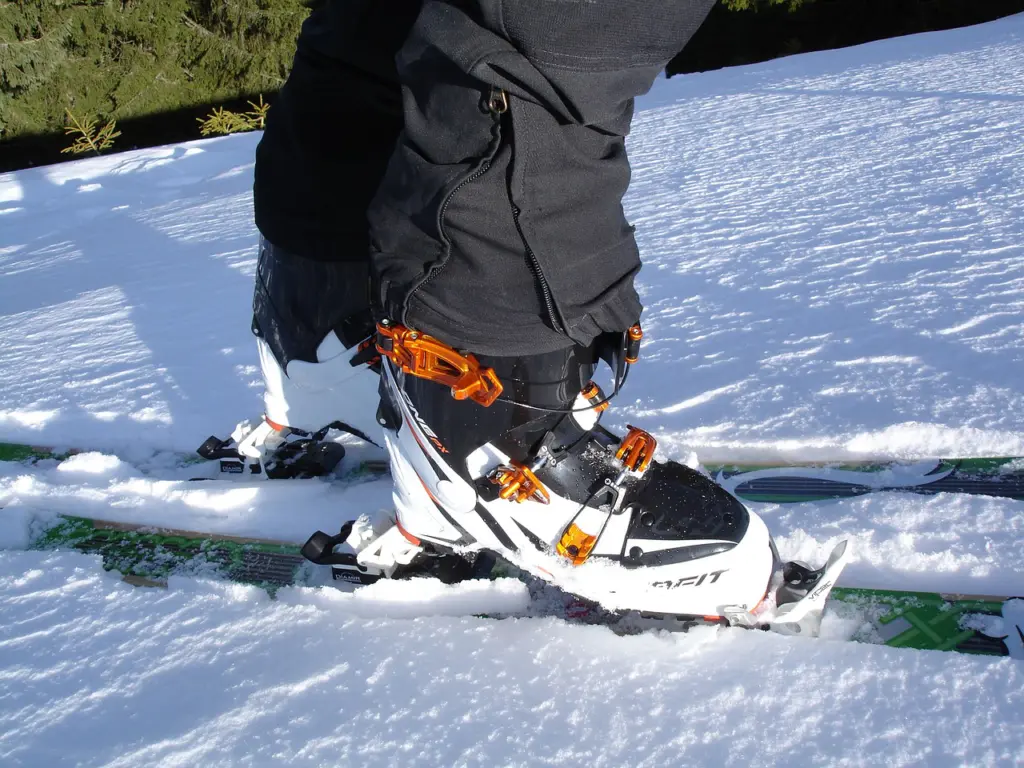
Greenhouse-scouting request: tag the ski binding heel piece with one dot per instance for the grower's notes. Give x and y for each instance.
(319, 548)
(385, 557)
(269, 451)
(230, 461)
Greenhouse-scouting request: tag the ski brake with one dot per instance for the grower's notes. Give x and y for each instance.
(796, 597)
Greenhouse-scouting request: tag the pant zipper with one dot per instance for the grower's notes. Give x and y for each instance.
(545, 289)
(498, 104)
(497, 108)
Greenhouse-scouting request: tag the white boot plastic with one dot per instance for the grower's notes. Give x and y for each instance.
(299, 403)
(308, 396)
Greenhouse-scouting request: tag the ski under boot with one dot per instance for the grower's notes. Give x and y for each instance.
(506, 455)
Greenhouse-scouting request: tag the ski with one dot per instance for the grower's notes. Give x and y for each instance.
(973, 624)
(207, 466)
(986, 625)
(780, 483)
(25, 453)
(797, 482)
(147, 556)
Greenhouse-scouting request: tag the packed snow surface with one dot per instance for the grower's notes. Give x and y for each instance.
(834, 251)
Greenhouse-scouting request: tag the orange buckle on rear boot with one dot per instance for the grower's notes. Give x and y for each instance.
(518, 483)
(427, 358)
(636, 450)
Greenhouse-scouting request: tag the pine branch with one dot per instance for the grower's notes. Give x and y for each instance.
(258, 114)
(89, 139)
(223, 121)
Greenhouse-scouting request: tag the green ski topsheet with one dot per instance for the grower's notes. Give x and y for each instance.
(30, 454)
(23, 452)
(147, 556)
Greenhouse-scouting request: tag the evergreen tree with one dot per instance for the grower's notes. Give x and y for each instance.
(114, 60)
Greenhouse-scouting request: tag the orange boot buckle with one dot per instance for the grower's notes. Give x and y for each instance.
(636, 450)
(593, 395)
(427, 358)
(518, 483)
(634, 336)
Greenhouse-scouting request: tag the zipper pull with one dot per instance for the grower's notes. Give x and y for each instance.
(497, 102)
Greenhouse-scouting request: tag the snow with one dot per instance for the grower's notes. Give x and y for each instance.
(833, 248)
(215, 674)
(834, 268)
(104, 487)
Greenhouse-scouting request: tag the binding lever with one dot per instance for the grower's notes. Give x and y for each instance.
(427, 358)
(319, 548)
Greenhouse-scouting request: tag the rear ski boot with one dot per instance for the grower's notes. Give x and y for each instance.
(506, 455)
(302, 407)
(320, 370)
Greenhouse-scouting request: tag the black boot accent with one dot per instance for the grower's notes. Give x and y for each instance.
(319, 548)
(304, 458)
(214, 448)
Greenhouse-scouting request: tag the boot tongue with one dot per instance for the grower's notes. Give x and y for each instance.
(539, 389)
(546, 380)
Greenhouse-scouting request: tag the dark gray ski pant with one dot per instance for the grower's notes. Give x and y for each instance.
(497, 224)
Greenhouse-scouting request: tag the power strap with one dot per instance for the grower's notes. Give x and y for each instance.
(421, 355)
(424, 356)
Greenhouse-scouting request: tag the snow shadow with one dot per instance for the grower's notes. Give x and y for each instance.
(126, 297)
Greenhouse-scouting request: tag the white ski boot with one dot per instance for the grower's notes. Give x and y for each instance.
(505, 455)
(302, 408)
(320, 371)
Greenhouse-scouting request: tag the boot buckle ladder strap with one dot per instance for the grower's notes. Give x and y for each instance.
(428, 358)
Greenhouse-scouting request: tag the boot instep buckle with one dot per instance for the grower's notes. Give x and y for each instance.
(636, 451)
(519, 484)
